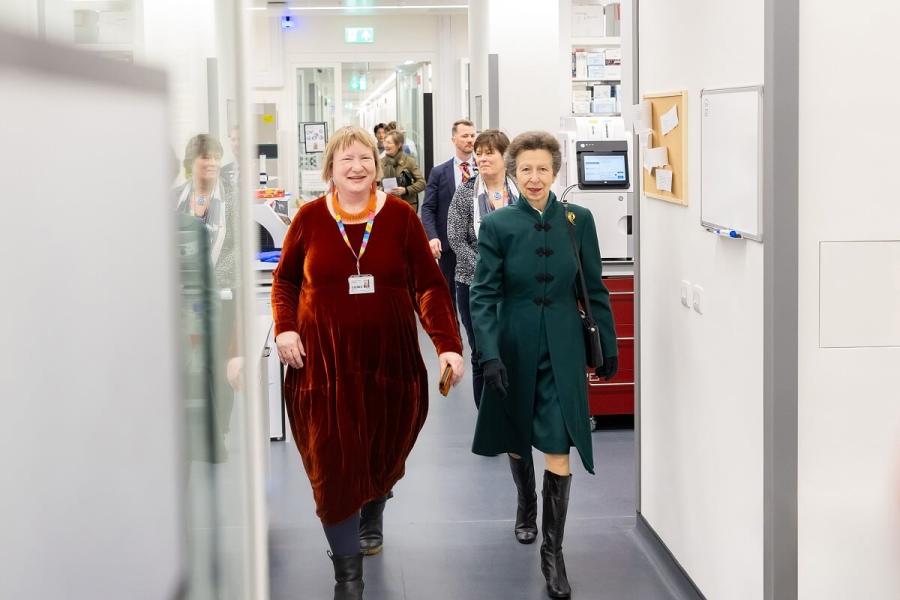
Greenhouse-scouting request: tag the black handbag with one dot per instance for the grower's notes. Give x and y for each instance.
(593, 349)
(404, 179)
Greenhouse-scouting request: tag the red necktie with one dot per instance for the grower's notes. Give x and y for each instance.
(466, 174)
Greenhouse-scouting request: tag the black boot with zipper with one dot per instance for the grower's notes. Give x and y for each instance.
(526, 513)
(371, 525)
(556, 506)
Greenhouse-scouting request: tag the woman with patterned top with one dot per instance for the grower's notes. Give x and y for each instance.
(489, 190)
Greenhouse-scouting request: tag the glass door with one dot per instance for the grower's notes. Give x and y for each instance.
(316, 123)
(412, 82)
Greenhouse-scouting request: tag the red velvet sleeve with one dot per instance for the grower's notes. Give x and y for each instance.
(432, 294)
(287, 279)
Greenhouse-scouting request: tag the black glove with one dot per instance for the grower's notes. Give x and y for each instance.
(495, 376)
(609, 368)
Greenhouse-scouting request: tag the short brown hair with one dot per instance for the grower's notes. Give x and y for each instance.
(494, 139)
(203, 145)
(396, 136)
(459, 122)
(533, 140)
(344, 138)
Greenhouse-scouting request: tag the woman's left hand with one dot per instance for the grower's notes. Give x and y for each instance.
(456, 365)
(397, 191)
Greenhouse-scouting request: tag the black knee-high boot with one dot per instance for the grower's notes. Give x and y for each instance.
(371, 525)
(348, 572)
(556, 506)
(526, 513)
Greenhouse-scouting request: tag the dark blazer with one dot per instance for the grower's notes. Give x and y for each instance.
(438, 194)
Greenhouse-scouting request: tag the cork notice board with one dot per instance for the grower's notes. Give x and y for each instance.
(675, 142)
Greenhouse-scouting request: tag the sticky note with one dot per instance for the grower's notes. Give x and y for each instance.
(664, 180)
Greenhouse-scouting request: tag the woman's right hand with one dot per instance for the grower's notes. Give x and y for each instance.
(290, 349)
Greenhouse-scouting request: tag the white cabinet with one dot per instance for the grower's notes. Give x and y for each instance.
(270, 366)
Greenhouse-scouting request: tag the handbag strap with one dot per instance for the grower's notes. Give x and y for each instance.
(570, 226)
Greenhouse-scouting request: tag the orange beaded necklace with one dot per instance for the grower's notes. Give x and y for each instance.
(357, 216)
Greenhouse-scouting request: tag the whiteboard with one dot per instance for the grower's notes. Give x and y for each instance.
(731, 160)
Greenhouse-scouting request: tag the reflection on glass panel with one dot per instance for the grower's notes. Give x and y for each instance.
(207, 203)
(195, 44)
(369, 93)
(316, 114)
(411, 81)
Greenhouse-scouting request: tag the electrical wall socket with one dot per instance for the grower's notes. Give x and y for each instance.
(698, 299)
(685, 293)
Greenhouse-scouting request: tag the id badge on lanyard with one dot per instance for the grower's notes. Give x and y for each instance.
(359, 283)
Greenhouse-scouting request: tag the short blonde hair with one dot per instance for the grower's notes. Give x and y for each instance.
(397, 137)
(342, 139)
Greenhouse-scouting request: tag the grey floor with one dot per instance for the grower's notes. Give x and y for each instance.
(448, 531)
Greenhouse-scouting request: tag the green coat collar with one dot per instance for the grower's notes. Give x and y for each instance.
(549, 210)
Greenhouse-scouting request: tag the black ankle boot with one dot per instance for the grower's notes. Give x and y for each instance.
(556, 505)
(348, 572)
(371, 525)
(526, 513)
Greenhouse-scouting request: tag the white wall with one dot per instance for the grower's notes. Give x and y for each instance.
(849, 404)
(319, 41)
(180, 47)
(702, 375)
(525, 35)
(19, 16)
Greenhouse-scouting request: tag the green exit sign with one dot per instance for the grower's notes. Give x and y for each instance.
(359, 35)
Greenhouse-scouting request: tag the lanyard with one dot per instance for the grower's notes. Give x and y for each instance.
(365, 241)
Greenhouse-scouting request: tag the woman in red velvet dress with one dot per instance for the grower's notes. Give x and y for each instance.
(355, 270)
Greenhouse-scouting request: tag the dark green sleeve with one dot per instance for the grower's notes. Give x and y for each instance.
(592, 265)
(487, 292)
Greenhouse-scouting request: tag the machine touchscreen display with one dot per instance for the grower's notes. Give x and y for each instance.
(604, 169)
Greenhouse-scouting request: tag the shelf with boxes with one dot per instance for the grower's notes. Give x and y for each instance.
(596, 97)
(596, 68)
(596, 80)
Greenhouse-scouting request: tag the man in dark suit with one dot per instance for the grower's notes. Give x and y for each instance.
(442, 184)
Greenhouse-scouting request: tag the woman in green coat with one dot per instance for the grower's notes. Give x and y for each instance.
(529, 337)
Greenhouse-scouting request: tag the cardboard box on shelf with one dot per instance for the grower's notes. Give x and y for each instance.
(602, 90)
(581, 95)
(604, 105)
(581, 107)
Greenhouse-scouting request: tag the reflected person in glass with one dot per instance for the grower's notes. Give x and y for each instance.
(354, 272)
(211, 200)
